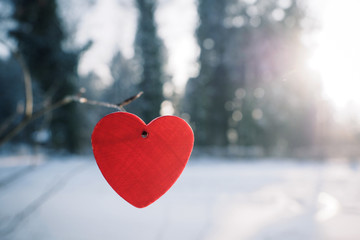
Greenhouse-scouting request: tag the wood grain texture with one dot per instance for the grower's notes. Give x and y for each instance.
(141, 161)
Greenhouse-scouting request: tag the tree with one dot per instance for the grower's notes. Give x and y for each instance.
(123, 72)
(253, 88)
(39, 37)
(207, 94)
(149, 53)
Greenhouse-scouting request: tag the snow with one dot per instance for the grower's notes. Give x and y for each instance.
(47, 197)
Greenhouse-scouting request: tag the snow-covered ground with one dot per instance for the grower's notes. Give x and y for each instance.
(44, 197)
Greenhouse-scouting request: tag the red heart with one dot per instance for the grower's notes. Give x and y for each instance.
(141, 162)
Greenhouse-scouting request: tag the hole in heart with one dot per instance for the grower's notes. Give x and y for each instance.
(144, 134)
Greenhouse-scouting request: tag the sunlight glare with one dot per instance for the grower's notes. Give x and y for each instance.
(336, 57)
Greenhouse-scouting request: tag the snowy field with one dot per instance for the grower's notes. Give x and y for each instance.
(44, 197)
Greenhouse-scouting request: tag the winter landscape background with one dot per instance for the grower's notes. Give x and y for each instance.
(270, 88)
(215, 198)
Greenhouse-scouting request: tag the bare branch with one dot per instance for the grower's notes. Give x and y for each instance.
(66, 100)
(29, 115)
(130, 99)
(96, 103)
(28, 85)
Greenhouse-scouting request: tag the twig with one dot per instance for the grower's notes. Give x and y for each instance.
(130, 99)
(28, 86)
(29, 115)
(118, 106)
(27, 119)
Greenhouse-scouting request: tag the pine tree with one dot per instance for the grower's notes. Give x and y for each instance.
(207, 94)
(268, 56)
(240, 96)
(39, 36)
(148, 49)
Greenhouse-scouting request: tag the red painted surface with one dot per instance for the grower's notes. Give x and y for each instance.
(141, 161)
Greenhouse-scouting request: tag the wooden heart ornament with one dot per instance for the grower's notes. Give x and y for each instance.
(141, 161)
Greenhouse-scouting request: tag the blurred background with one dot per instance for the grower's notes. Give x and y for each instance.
(253, 78)
(270, 88)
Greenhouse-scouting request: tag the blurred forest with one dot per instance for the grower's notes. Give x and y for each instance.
(253, 96)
